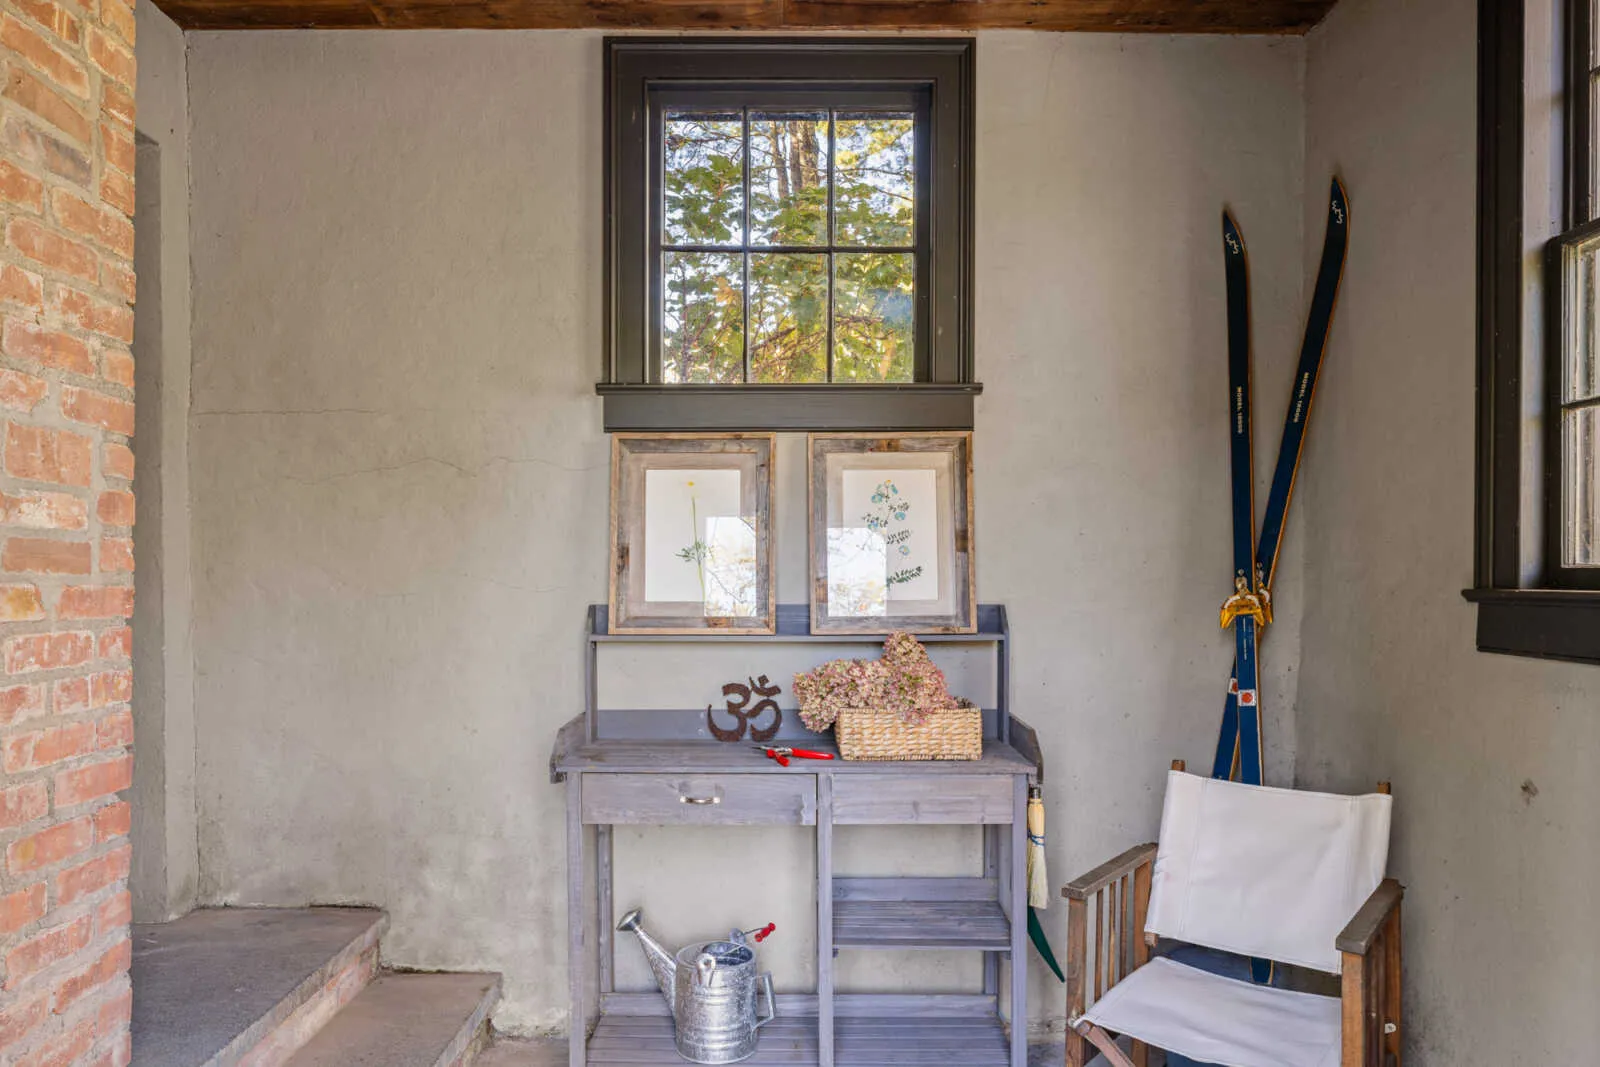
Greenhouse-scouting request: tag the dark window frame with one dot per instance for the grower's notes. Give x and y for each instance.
(640, 68)
(1544, 619)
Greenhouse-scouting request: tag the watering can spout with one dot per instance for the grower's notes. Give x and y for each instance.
(660, 960)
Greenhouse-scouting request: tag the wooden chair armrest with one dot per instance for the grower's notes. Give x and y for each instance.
(1358, 934)
(1087, 886)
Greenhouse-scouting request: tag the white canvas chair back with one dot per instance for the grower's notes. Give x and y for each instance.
(1270, 873)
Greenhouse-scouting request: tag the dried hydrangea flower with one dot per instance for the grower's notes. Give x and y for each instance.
(904, 681)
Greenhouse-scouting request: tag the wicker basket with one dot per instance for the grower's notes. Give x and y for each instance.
(876, 734)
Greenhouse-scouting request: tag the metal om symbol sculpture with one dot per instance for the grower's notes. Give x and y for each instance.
(739, 697)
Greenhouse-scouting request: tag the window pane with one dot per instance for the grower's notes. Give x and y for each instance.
(1593, 148)
(1583, 347)
(703, 163)
(702, 317)
(872, 317)
(873, 179)
(1580, 433)
(789, 178)
(1594, 31)
(788, 317)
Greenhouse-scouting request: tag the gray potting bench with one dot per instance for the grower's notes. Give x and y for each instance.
(660, 767)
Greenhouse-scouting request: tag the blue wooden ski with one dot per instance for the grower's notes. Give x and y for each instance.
(1239, 753)
(1243, 609)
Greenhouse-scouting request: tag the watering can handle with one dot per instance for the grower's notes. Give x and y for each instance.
(772, 1002)
(704, 965)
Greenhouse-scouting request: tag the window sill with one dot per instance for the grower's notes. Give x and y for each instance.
(1543, 623)
(875, 408)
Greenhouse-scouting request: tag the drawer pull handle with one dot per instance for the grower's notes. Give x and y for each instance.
(699, 800)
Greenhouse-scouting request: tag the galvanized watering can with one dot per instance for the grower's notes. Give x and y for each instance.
(711, 988)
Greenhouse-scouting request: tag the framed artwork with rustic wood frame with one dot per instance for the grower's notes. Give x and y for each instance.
(691, 533)
(891, 533)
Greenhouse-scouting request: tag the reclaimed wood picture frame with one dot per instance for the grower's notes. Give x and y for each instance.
(691, 534)
(891, 533)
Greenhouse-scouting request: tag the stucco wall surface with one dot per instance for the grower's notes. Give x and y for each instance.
(399, 479)
(165, 869)
(1497, 807)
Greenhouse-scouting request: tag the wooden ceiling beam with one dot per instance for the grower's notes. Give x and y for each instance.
(1113, 16)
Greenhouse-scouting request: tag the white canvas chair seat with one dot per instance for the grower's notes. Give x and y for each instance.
(1221, 1020)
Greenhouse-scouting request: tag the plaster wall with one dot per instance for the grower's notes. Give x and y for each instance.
(165, 869)
(399, 479)
(1496, 803)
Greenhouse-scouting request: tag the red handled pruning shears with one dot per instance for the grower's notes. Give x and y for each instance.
(783, 755)
(762, 934)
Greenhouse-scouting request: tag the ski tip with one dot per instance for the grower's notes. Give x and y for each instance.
(1338, 203)
(1232, 239)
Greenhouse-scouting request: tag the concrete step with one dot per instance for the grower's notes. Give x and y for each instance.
(223, 987)
(408, 1020)
(531, 1052)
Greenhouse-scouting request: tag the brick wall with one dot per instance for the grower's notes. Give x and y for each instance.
(66, 402)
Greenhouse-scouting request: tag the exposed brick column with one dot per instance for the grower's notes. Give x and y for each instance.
(66, 560)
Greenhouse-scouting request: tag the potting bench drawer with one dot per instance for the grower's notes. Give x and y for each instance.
(700, 799)
(899, 797)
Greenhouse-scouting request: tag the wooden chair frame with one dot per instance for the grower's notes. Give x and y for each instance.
(1118, 894)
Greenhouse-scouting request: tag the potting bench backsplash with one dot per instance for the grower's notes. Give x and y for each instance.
(642, 755)
(658, 686)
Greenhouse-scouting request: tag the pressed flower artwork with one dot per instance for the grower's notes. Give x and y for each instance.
(698, 547)
(891, 533)
(901, 507)
(691, 538)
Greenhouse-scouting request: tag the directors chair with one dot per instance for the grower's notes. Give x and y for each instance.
(1279, 875)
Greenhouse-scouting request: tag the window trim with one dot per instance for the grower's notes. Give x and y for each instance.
(1580, 189)
(1542, 622)
(944, 400)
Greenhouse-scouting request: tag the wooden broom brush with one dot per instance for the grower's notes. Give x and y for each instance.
(1038, 880)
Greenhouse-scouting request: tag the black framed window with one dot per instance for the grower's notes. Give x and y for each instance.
(1573, 273)
(1537, 570)
(789, 234)
(784, 239)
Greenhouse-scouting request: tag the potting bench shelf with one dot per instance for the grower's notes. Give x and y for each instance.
(890, 1041)
(930, 924)
(654, 767)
